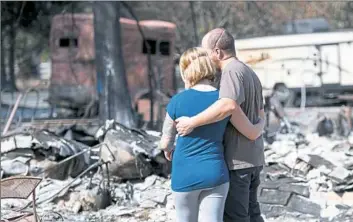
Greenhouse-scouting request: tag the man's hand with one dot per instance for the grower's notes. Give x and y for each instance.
(184, 125)
(168, 155)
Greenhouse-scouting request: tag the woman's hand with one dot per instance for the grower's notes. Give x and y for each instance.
(169, 155)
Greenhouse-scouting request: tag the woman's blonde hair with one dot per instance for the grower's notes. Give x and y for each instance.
(195, 65)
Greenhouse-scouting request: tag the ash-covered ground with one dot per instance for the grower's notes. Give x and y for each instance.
(307, 177)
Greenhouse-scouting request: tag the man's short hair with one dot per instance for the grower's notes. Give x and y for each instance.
(222, 39)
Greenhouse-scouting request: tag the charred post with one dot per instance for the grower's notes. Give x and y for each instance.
(115, 99)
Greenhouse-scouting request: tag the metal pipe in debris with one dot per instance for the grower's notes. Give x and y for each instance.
(63, 161)
(97, 164)
(76, 155)
(303, 89)
(12, 115)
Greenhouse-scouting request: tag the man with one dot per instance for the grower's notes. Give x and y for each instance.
(240, 88)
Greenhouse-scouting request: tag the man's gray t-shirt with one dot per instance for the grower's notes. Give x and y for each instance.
(240, 83)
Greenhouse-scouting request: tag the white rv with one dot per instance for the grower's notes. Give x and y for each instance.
(322, 63)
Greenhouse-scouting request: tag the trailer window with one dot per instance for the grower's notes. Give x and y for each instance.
(164, 48)
(67, 42)
(152, 44)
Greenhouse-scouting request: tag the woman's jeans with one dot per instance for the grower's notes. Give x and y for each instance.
(210, 202)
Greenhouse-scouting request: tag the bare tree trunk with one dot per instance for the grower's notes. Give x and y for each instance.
(12, 57)
(348, 11)
(114, 94)
(193, 17)
(3, 69)
(294, 27)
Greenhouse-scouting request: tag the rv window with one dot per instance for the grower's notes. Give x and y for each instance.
(67, 42)
(164, 48)
(64, 42)
(152, 44)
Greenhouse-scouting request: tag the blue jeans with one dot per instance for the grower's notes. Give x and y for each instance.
(209, 201)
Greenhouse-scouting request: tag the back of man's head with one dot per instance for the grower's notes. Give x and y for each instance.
(221, 39)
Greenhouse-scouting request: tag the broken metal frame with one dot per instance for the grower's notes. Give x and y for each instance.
(99, 146)
(98, 164)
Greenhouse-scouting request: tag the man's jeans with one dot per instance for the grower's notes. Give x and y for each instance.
(241, 204)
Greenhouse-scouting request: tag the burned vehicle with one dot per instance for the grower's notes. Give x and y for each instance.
(73, 82)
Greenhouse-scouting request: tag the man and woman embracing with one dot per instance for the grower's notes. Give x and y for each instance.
(219, 155)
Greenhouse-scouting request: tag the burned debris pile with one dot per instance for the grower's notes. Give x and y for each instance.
(308, 177)
(34, 153)
(87, 168)
(308, 172)
(131, 153)
(111, 173)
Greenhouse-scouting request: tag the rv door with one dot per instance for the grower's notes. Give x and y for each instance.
(330, 63)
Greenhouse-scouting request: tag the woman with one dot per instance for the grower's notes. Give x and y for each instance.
(199, 172)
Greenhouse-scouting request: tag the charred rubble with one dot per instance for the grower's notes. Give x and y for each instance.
(67, 152)
(113, 172)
